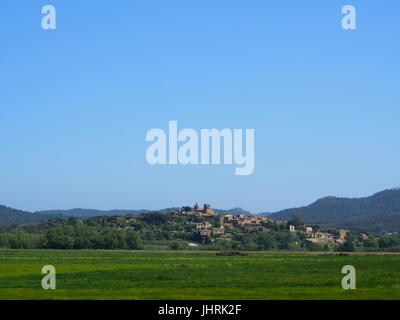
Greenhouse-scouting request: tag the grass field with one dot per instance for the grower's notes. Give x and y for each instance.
(98, 274)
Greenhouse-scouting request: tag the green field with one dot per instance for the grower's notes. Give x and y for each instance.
(98, 274)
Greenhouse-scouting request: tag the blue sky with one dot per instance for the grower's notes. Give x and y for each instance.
(76, 102)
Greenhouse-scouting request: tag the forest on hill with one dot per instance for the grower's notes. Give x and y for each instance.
(167, 230)
(378, 213)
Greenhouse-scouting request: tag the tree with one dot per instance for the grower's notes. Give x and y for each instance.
(312, 246)
(296, 221)
(176, 245)
(285, 239)
(371, 243)
(155, 218)
(347, 246)
(266, 241)
(133, 241)
(60, 237)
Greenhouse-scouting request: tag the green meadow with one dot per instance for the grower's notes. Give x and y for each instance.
(109, 274)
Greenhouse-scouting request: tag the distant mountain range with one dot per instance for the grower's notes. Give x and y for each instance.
(377, 213)
(88, 213)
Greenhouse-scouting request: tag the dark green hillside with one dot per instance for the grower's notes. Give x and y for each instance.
(377, 213)
(10, 216)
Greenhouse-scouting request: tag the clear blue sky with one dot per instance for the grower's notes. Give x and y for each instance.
(76, 102)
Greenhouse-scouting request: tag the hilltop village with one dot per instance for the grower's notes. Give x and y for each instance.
(191, 228)
(255, 223)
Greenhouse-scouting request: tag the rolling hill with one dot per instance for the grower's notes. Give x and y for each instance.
(377, 213)
(10, 216)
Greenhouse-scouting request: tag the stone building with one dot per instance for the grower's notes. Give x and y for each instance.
(247, 222)
(342, 234)
(205, 211)
(364, 236)
(198, 211)
(308, 230)
(321, 237)
(203, 225)
(218, 231)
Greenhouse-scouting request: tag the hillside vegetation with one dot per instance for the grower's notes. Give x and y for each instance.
(10, 216)
(167, 230)
(377, 213)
